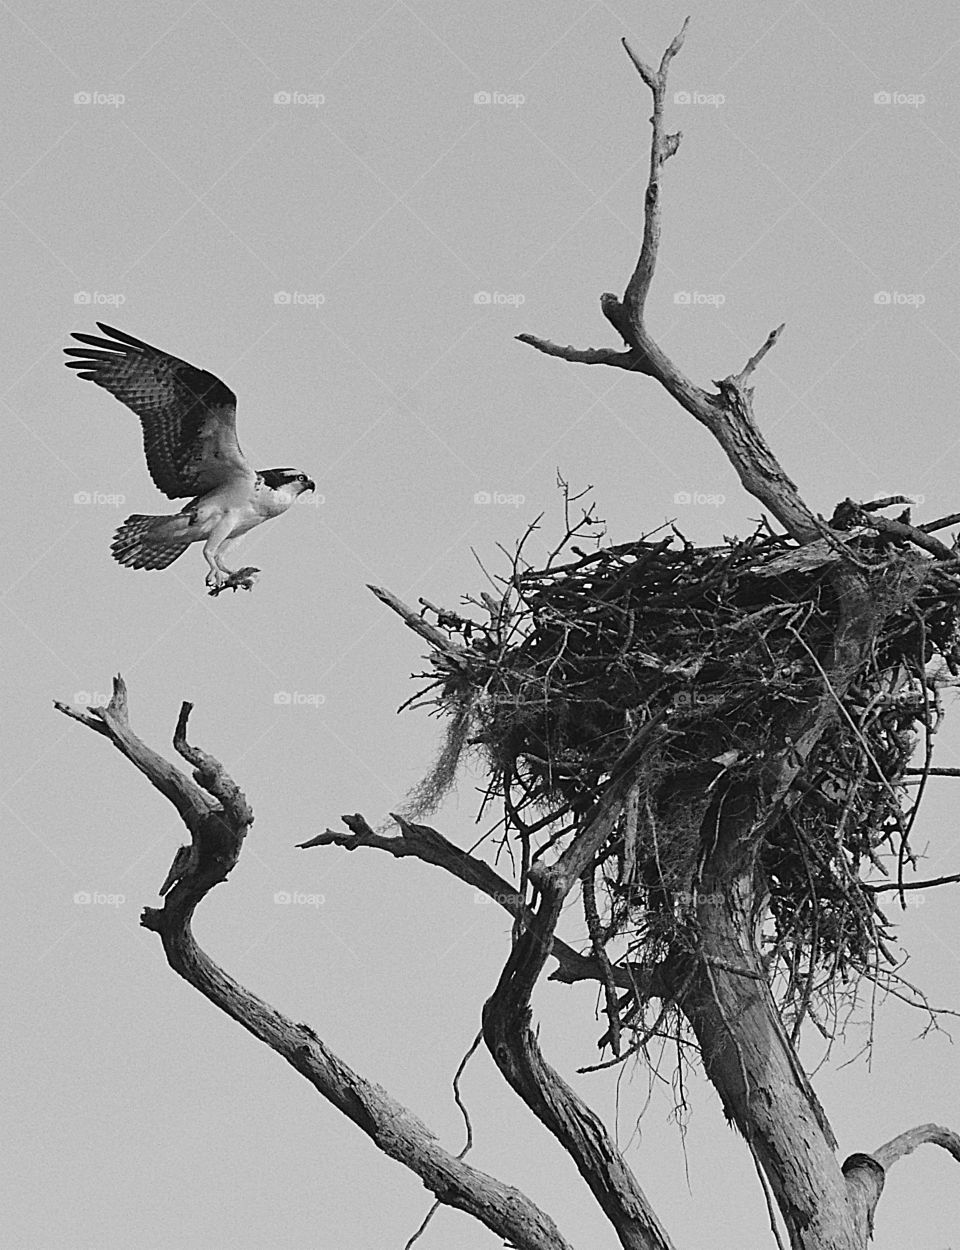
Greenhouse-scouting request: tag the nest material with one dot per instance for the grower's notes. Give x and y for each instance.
(716, 647)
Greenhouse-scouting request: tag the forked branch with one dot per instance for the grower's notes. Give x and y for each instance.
(728, 412)
(218, 817)
(425, 844)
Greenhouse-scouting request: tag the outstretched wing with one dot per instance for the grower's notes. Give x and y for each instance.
(188, 415)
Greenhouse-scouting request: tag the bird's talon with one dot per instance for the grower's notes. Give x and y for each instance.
(242, 579)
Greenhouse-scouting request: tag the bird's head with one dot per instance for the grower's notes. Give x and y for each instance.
(291, 481)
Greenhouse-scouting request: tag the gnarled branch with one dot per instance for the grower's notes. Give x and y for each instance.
(218, 817)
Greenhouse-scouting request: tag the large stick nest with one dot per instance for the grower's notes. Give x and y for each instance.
(569, 670)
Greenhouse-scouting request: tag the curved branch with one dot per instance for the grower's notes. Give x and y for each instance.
(906, 1143)
(865, 1174)
(514, 1048)
(430, 847)
(218, 817)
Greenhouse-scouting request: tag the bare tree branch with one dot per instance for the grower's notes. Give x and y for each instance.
(662, 147)
(904, 1144)
(728, 414)
(436, 637)
(430, 847)
(865, 1174)
(516, 1052)
(112, 721)
(218, 825)
(911, 885)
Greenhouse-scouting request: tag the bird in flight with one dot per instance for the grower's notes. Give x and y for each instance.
(190, 441)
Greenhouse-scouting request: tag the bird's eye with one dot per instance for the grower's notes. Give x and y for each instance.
(302, 477)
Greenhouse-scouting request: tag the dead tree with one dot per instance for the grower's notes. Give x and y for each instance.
(710, 745)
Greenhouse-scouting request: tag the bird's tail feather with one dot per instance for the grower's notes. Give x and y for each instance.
(150, 542)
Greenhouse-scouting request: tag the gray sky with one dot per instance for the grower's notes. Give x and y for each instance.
(171, 169)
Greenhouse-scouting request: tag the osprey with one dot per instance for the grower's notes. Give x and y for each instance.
(190, 441)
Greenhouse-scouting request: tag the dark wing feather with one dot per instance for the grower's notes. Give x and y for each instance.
(188, 415)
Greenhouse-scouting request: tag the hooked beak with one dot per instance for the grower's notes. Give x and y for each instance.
(311, 484)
